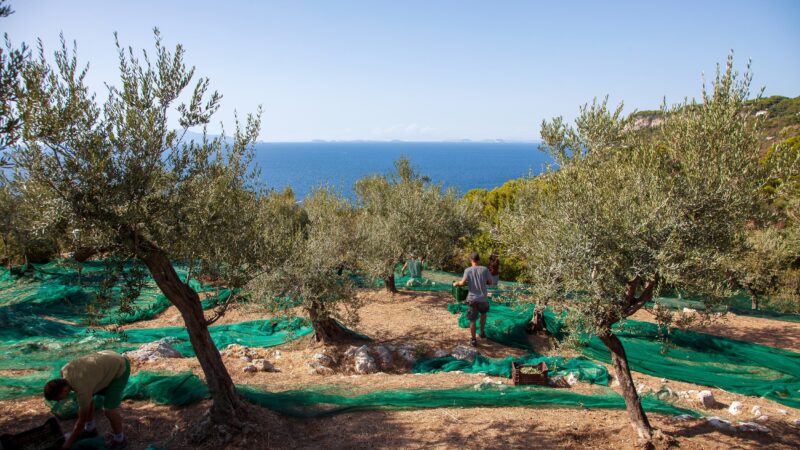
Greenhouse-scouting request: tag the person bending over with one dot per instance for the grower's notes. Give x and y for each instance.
(476, 277)
(414, 265)
(105, 373)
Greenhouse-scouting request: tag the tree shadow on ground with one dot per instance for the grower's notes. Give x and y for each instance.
(779, 334)
(781, 433)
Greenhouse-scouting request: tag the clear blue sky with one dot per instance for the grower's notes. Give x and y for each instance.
(432, 70)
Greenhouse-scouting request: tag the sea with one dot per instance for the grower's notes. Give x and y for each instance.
(304, 166)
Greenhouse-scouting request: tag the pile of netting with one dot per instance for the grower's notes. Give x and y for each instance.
(694, 357)
(42, 323)
(186, 388)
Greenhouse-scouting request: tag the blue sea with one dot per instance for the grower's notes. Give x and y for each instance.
(462, 165)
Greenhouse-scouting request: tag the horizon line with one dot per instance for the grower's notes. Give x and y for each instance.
(402, 141)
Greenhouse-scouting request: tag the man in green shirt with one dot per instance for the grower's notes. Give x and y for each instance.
(414, 265)
(104, 373)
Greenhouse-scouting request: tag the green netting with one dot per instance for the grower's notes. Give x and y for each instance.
(700, 358)
(308, 403)
(57, 289)
(185, 388)
(47, 354)
(694, 357)
(585, 369)
(504, 324)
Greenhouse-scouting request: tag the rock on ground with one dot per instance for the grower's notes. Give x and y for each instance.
(721, 424)
(753, 427)
(464, 353)
(364, 363)
(682, 418)
(263, 365)
(385, 356)
(735, 408)
(324, 359)
(153, 351)
(441, 353)
(407, 353)
(706, 399)
(316, 368)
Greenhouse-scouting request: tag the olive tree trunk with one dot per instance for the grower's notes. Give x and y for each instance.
(637, 415)
(227, 406)
(389, 283)
(326, 330)
(753, 299)
(537, 321)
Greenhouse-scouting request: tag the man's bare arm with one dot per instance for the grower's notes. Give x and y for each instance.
(84, 414)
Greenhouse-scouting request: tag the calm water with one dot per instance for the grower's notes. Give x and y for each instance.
(463, 165)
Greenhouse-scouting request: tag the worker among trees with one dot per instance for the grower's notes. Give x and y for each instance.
(476, 277)
(414, 265)
(494, 268)
(104, 373)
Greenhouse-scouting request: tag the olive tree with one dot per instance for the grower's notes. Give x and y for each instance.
(26, 236)
(320, 244)
(12, 62)
(121, 170)
(627, 212)
(404, 213)
(769, 254)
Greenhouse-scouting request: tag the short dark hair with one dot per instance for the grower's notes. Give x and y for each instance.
(475, 256)
(54, 388)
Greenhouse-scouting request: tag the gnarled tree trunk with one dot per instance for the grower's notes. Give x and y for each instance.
(637, 415)
(389, 283)
(537, 321)
(326, 330)
(753, 299)
(227, 407)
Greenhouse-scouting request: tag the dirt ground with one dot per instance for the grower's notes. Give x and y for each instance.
(422, 321)
(773, 333)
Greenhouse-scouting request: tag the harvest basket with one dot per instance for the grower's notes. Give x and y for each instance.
(519, 377)
(43, 437)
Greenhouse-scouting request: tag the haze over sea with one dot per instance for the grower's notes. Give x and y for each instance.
(462, 165)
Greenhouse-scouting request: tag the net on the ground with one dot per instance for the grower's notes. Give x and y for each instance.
(185, 388)
(690, 356)
(42, 327)
(586, 370)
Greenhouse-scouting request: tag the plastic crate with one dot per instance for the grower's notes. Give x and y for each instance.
(460, 293)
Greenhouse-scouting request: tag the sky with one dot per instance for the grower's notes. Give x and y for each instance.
(430, 70)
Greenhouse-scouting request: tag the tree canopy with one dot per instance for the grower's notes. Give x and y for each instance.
(120, 171)
(628, 212)
(403, 213)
